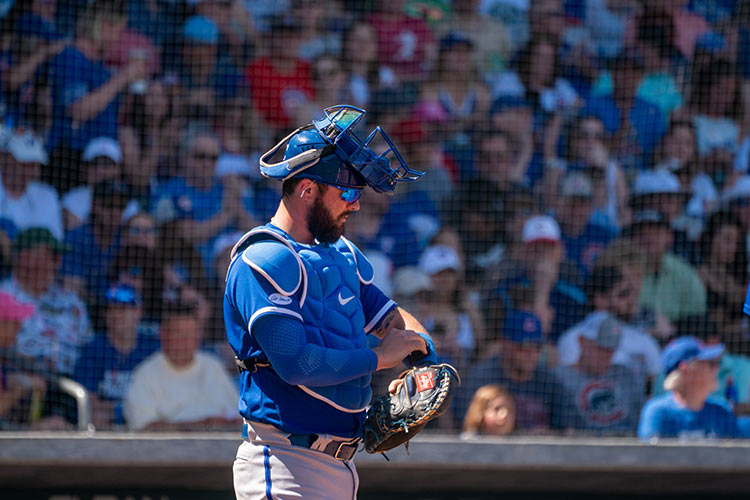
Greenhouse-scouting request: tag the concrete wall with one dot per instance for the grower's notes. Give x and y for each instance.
(435, 463)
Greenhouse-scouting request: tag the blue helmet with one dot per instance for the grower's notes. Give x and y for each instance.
(329, 151)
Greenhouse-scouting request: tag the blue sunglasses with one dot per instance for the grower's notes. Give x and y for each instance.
(349, 195)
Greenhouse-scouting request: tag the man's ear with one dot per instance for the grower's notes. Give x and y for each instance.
(304, 190)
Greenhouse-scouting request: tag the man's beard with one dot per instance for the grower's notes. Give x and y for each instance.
(322, 224)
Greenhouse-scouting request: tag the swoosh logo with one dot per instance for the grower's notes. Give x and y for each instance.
(344, 301)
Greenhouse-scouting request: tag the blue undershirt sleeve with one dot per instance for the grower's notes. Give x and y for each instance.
(300, 362)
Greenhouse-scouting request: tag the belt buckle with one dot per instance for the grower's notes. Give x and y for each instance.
(339, 454)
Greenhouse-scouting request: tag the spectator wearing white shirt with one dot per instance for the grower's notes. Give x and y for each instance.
(25, 200)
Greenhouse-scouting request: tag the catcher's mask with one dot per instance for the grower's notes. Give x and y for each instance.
(329, 151)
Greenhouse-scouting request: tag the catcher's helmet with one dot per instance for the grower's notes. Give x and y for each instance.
(329, 151)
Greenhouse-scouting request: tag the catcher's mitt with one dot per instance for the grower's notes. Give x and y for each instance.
(423, 394)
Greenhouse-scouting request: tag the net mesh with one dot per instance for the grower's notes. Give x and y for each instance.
(585, 203)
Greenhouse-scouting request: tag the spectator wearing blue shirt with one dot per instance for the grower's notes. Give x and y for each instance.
(106, 363)
(686, 411)
(84, 92)
(96, 243)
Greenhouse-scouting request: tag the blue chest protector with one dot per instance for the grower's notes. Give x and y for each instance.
(321, 286)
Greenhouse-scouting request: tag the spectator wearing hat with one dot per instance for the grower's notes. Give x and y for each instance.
(724, 271)
(106, 363)
(455, 322)
(635, 124)
(533, 262)
(84, 92)
(671, 287)
(179, 387)
(95, 243)
(598, 394)
(515, 364)
(103, 159)
(359, 47)
(687, 410)
(408, 61)
(661, 191)
(583, 239)
(280, 81)
(49, 340)
(208, 76)
(24, 199)
(456, 86)
(203, 205)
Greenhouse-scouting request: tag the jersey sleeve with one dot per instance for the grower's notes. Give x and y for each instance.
(375, 304)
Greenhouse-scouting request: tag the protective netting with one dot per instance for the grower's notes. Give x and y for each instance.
(587, 196)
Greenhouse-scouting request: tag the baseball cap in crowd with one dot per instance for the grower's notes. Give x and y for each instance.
(687, 349)
(409, 281)
(122, 294)
(523, 327)
(656, 182)
(232, 164)
(455, 38)
(200, 29)
(26, 148)
(606, 334)
(540, 229)
(13, 310)
(38, 236)
(576, 185)
(438, 258)
(105, 147)
(646, 218)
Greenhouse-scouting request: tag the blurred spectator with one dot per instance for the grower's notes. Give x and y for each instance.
(156, 20)
(689, 26)
(715, 104)
(492, 412)
(235, 26)
(513, 15)
(660, 191)
(141, 231)
(454, 323)
(655, 40)
(490, 38)
(496, 159)
(547, 19)
(583, 239)
(513, 115)
(207, 76)
(360, 60)
(677, 153)
(203, 205)
(84, 92)
(24, 200)
(599, 395)
(136, 266)
(330, 88)
(33, 40)
(635, 124)
(321, 25)
(411, 290)
(515, 365)
(686, 410)
(456, 87)
(95, 243)
(15, 386)
(279, 80)
(671, 287)
(50, 340)
(105, 364)
(724, 271)
(533, 263)
(406, 45)
(180, 388)
(103, 159)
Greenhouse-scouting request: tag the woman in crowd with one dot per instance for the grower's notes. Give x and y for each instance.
(492, 412)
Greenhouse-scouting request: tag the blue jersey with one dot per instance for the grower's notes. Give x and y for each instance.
(328, 288)
(662, 416)
(746, 307)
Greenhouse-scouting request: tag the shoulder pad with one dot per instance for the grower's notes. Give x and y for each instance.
(276, 262)
(365, 271)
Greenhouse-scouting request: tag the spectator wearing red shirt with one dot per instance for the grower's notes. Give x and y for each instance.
(279, 81)
(406, 45)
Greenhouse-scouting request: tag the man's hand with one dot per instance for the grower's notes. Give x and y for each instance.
(396, 345)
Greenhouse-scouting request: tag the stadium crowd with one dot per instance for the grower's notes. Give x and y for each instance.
(577, 248)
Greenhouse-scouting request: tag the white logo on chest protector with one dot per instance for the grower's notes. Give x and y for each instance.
(344, 301)
(279, 299)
